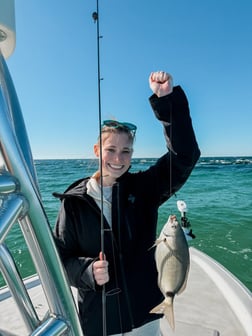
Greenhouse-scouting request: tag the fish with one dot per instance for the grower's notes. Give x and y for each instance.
(173, 264)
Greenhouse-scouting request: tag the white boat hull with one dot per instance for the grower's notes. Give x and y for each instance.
(214, 303)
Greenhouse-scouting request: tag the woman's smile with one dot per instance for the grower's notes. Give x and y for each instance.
(115, 166)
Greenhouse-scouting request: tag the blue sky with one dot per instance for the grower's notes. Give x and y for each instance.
(206, 46)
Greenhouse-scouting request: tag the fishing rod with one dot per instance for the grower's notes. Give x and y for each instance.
(95, 17)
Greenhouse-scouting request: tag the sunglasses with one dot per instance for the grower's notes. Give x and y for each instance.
(118, 124)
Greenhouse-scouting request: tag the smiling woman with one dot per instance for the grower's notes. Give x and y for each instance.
(107, 222)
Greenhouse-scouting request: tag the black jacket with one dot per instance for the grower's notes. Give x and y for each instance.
(132, 290)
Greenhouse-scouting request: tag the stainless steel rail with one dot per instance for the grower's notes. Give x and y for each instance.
(20, 202)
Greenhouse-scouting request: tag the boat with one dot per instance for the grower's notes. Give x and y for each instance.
(214, 303)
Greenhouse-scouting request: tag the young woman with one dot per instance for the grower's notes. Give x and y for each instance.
(130, 209)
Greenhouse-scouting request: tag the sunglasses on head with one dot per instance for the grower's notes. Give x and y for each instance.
(118, 124)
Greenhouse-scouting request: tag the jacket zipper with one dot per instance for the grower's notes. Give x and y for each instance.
(121, 256)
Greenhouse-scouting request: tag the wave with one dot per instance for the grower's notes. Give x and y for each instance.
(224, 161)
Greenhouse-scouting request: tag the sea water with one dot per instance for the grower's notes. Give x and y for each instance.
(218, 195)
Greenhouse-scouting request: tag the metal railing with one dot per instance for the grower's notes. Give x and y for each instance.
(20, 202)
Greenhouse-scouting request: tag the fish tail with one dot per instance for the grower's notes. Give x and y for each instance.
(169, 314)
(166, 308)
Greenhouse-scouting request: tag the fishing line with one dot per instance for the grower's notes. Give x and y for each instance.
(171, 149)
(95, 16)
(170, 152)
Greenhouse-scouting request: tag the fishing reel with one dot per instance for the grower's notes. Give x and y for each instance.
(185, 224)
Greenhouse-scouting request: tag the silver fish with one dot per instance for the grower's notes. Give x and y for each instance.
(173, 262)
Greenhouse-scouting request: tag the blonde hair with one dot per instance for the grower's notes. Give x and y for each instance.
(117, 130)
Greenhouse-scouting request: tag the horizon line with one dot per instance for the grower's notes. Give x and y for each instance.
(142, 157)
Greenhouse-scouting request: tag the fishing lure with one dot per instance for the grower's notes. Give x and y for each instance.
(185, 224)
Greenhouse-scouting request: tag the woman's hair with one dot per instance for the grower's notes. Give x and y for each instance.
(118, 130)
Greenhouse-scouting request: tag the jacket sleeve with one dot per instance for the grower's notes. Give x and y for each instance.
(79, 269)
(173, 169)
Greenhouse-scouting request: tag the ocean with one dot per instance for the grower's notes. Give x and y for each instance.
(218, 195)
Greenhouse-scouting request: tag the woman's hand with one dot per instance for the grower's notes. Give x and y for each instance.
(161, 83)
(100, 270)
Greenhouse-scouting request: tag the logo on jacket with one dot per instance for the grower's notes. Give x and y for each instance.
(131, 198)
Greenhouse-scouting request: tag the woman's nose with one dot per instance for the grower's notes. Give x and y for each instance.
(117, 157)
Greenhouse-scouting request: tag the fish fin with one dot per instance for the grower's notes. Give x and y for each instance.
(166, 308)
(152, 246)
(158, 241)
(183, 287)
(185, 282)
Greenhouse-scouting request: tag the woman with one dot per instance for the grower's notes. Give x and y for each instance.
(130, 207)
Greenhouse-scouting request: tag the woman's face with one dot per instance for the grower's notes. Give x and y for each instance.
(117, 150)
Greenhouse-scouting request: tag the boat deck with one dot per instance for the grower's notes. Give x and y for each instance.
(214, 303)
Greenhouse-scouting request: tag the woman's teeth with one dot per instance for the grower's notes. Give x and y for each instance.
(113, 166)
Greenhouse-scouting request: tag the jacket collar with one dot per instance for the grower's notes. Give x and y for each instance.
(77, 188)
